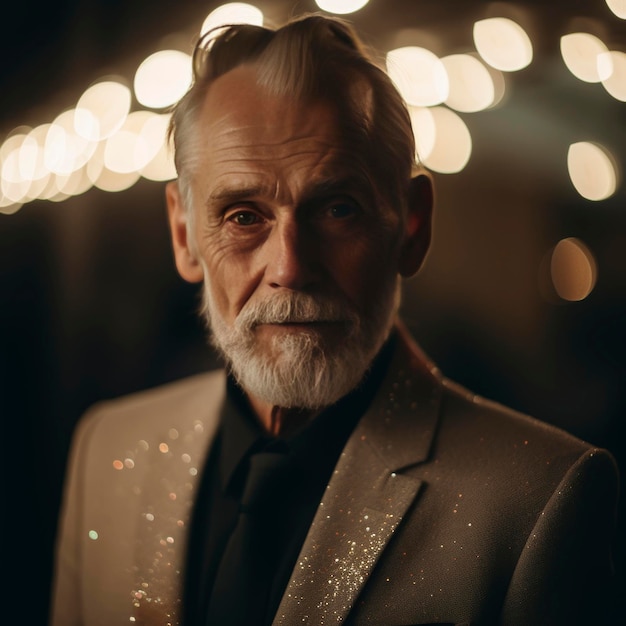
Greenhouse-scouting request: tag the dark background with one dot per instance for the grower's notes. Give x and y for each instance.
(92, 307)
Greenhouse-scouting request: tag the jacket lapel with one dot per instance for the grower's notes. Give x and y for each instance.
(368, 494)
(170, 465)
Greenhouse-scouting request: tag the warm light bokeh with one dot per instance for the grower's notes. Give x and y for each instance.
(573, 269)
(101, 110)
(163, 78)
(424, 131)
(618, 7)
(66, 151)
(341, 7)
(503, 44)
(419, 75)
(592, 170)
(612, 67)
(453, 143)
(127, 151)
(232, 13)
(161, 165)
(471, 86)
(580, 53)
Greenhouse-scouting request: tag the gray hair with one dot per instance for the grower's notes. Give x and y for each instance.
(312, 58)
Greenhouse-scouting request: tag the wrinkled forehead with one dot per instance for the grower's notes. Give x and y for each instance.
(239, 114)
(235, 104)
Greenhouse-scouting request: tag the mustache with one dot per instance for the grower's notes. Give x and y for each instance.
(295, 308)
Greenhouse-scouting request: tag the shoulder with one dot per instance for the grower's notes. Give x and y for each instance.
(176, 405)
(491, 421)
(465, 421)
(501, 446)
(182, 394)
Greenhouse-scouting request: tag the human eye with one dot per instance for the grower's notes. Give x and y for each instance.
(342, 209)
(243, 217)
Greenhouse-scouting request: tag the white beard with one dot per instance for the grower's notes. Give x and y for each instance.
(302, 369)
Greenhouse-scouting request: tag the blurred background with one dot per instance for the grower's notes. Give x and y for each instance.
(519, 110)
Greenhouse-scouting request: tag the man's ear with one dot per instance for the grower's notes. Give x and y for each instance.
(187, 263)
(418, 224)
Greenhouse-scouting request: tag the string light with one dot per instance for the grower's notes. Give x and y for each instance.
(101, 110)
(453, 143)
(341, 7)
(163, 78)
(101, 143)
(471, 85)
(503, 44)
(580, 52)
(419, 75)
(592, 170)
(232, 13)
(612, 68)
(618, 7)
(573, 270)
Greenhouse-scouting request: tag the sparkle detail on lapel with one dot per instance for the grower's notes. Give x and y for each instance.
(350, 566)
(161, 531)
(366, 498)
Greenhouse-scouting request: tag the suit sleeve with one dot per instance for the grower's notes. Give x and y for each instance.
(565, 573)
(66, 604)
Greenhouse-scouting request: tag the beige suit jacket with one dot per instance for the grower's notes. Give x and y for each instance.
(443, 508)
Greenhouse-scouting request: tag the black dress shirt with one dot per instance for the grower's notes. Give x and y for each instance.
(229, 590)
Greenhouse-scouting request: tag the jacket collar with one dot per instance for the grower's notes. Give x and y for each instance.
(368, 494)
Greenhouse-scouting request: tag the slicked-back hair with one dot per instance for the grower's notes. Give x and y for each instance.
(311, 59)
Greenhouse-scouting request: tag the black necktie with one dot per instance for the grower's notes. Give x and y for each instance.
(244, 577)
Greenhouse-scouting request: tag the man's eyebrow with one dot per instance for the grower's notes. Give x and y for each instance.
(336, 185)
(316, 189)
(234, 193)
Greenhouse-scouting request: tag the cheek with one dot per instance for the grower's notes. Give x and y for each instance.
(231, 276)
(363, 268)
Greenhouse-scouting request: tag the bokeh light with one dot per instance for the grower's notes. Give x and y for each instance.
(74, 184)
(419, 75)
(14, 187)
(8, 207)
(618, 7)
(572, 269)
(127, 151)
(106, 179)
(109, 180)
(503, 44)
(592, 170)
(453, 143)
(10, 156)
(471, 85)
(341, 7)
(161, 166)
(163, 78)
(65, 150)
(101, 143)
(612, 69)
(38, 184)
(101, 110)
(424, 131)
(232, 13)
(580, 53)
(32, 162)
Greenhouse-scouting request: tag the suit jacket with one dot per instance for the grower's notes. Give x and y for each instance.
(443, 508)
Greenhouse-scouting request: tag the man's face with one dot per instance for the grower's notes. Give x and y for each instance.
(298, 251)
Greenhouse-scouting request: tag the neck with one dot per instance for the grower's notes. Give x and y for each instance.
(278, 420)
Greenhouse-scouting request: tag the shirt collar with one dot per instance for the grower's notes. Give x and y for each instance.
(320, 441)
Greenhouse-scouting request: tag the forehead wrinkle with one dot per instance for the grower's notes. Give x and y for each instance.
(256, 151)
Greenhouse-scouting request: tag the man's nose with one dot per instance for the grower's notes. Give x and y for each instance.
(290, 258)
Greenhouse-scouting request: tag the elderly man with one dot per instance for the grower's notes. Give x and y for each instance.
(330, 474)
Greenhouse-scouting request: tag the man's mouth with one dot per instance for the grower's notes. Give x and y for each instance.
(304, 324)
